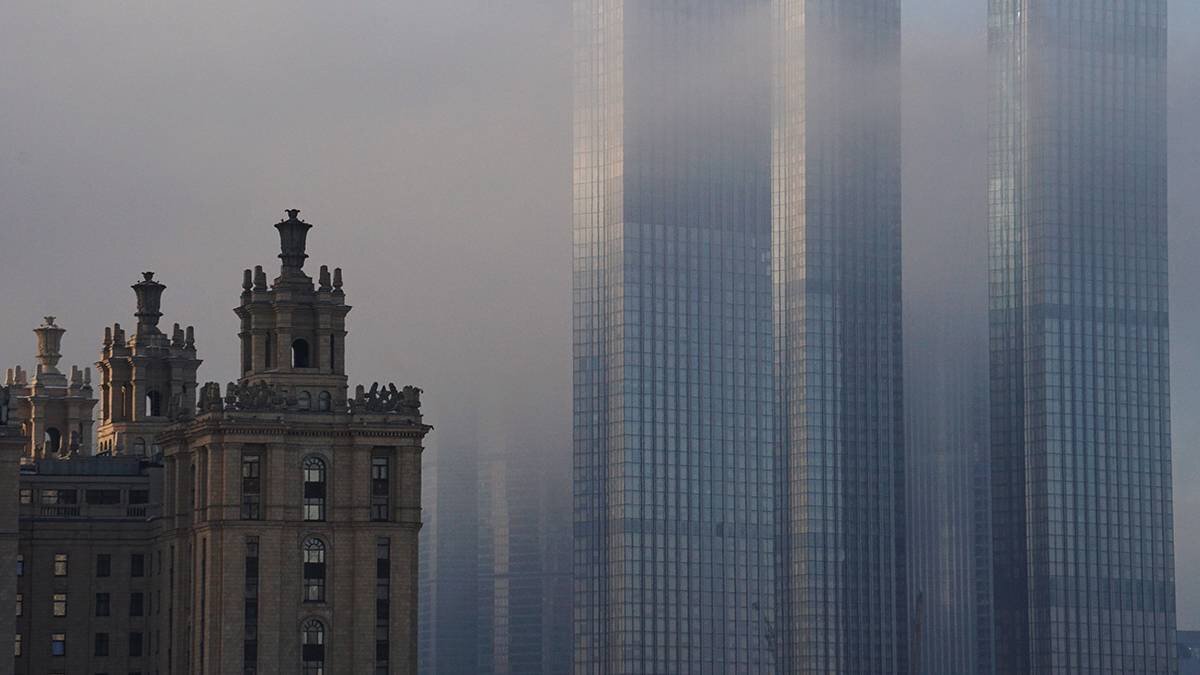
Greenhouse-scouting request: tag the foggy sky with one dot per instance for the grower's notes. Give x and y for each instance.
(428, 142)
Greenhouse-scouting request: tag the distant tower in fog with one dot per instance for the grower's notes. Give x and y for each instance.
(949, 496)
(674, 503)
(1081, 435)
(841, 471)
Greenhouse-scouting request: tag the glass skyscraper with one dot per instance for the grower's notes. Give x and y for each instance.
(949, 486)
(841, 472)
(673, 389)
(1081, 436)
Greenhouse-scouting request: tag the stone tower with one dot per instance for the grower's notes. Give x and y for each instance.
(292, 332)
(54, 411)
(291, 512)
(146, 381)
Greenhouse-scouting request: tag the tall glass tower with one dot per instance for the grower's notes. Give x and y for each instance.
(1081, 436)
(841, 473)
(672, 337)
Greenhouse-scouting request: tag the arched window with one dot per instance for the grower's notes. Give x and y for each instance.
(313, 639)
(139, 447)
(53, 440)
(304, 400)
(153, 404)
(314, 570)
(314, 488)
(300, 354)
(324, 402)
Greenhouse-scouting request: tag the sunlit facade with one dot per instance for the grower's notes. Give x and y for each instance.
(672, 338)
(1081, 436)
(836, 172)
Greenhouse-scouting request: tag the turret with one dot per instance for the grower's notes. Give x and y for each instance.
(145, 382)
(54, 410)
(293, 331)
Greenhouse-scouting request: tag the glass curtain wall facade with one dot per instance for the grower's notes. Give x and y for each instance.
(836, 176)
(672, 337)
(949, 488)
(1081, 445)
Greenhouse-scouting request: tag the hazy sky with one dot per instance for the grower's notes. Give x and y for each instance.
(429, 143)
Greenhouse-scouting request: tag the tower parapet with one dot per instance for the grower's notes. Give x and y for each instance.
(146, 381)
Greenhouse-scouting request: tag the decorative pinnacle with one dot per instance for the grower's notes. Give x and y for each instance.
(49, 344)
(149, 302)
(293, 234)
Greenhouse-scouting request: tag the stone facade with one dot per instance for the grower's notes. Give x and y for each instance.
(268, 526)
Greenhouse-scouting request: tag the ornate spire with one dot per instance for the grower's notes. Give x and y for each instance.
(49, 346)
(149, 302)
(293, 234)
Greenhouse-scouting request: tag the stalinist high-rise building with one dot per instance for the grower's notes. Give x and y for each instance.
(1080, 392)
(265, 527)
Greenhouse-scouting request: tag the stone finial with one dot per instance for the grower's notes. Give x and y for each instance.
(149, 302)
(260, 278)
(189, 341)
(49, 345)
(87, 377)
(247, 281)
(108, 336)
(10, 378)
(326, 284)
(337, 280)
(177, 337)
(293, 235)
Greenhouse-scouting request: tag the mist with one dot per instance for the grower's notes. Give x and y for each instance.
(429, 144)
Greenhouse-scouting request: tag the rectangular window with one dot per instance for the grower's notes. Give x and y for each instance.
(101, 645)
(135, 644)
(139, 497)
(20, 604)
(103, 604)
(103, 565)
(251, 487)
(26, 496)
(103, 497)
(17, 644)
(137, 565)
(60, 604)
(58, 644)
(380, 489)
(20, 565)
(383, 596)
(59, 497)
(250, 634)
(137, 602)
(60, 564)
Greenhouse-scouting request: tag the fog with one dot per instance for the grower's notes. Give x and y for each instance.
(429, 143)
